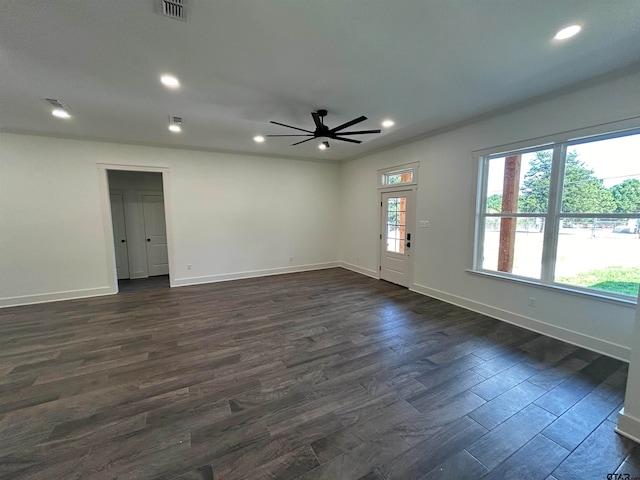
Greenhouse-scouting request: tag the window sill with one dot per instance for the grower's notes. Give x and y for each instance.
(630, 302)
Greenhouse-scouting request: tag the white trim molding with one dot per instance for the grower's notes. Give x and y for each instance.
(55, 296)
(575, 338)
(360, 270)
(103, 185)
(628, 426)
(224, 277)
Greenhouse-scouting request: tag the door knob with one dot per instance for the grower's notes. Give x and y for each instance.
(148, 239)
(123, 241)
(408, 244)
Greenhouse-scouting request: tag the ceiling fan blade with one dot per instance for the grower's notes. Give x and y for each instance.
(289, 126)
(348, 124)
(301, 135)
(316, 119)
(345, 139)
(308, 139)
(360, 132)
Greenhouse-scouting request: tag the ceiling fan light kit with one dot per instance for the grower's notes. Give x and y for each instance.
(323, 131)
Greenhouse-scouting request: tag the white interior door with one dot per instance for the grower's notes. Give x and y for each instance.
(396, 229)
(119, 235)
(155, 234)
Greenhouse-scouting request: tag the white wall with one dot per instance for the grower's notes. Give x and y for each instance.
(232, 215)
(446, 198)
(130, 184)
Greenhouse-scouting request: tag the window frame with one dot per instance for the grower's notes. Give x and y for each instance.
(383, 173)
(559, 144)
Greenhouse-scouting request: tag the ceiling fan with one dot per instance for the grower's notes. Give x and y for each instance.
(323, 131)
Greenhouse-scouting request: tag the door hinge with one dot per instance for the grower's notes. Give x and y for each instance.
(380, 203)
(380, 236)
(380, 267)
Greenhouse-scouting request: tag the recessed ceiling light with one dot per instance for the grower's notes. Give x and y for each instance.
(388, 123)
(568, 32)
(170, 81)
(175, 128)
(60, 113)
(258, 139)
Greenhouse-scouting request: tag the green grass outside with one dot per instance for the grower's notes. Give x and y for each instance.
(611, 279)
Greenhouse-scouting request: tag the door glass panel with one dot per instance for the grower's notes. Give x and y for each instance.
(396, 224)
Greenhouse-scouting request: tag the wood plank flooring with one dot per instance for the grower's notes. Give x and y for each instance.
(132, 285)
(316, 375)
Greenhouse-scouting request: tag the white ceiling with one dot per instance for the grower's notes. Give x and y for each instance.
(425, 63)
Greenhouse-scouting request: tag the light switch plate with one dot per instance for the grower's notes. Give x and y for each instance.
(424, 223)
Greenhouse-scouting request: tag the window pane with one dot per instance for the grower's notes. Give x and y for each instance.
(513, 245)
(603, 177)
(603, 254)
(396, 224)
(519, 183)
(398, 177)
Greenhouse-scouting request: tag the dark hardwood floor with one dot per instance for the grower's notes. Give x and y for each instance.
(132, 285)
(317, 375)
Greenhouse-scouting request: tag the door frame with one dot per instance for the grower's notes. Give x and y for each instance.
(103, 186)
(411, 220)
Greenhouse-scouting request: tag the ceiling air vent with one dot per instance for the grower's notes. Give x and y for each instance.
(173, 9)
(57, 103)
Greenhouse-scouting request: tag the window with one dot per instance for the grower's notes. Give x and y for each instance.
(565, 214)
(397, 176)
(396, 223)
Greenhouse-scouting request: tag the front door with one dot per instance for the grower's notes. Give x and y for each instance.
(155, 232)
(119, 235)
(395, 234)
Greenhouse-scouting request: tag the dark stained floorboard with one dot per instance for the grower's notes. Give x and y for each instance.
(325, 374)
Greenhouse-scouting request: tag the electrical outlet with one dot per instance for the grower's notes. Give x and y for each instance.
(532, 302)
(188, 266)
(424, 223)
(291, 259)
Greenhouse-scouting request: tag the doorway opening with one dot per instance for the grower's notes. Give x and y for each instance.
(139, 228)
(137, 284)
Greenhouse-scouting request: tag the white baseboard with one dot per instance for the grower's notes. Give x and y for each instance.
(224, 277)
(575, 338)
(628, 426)
(178, 282)
(361, 270)
(55, 297)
